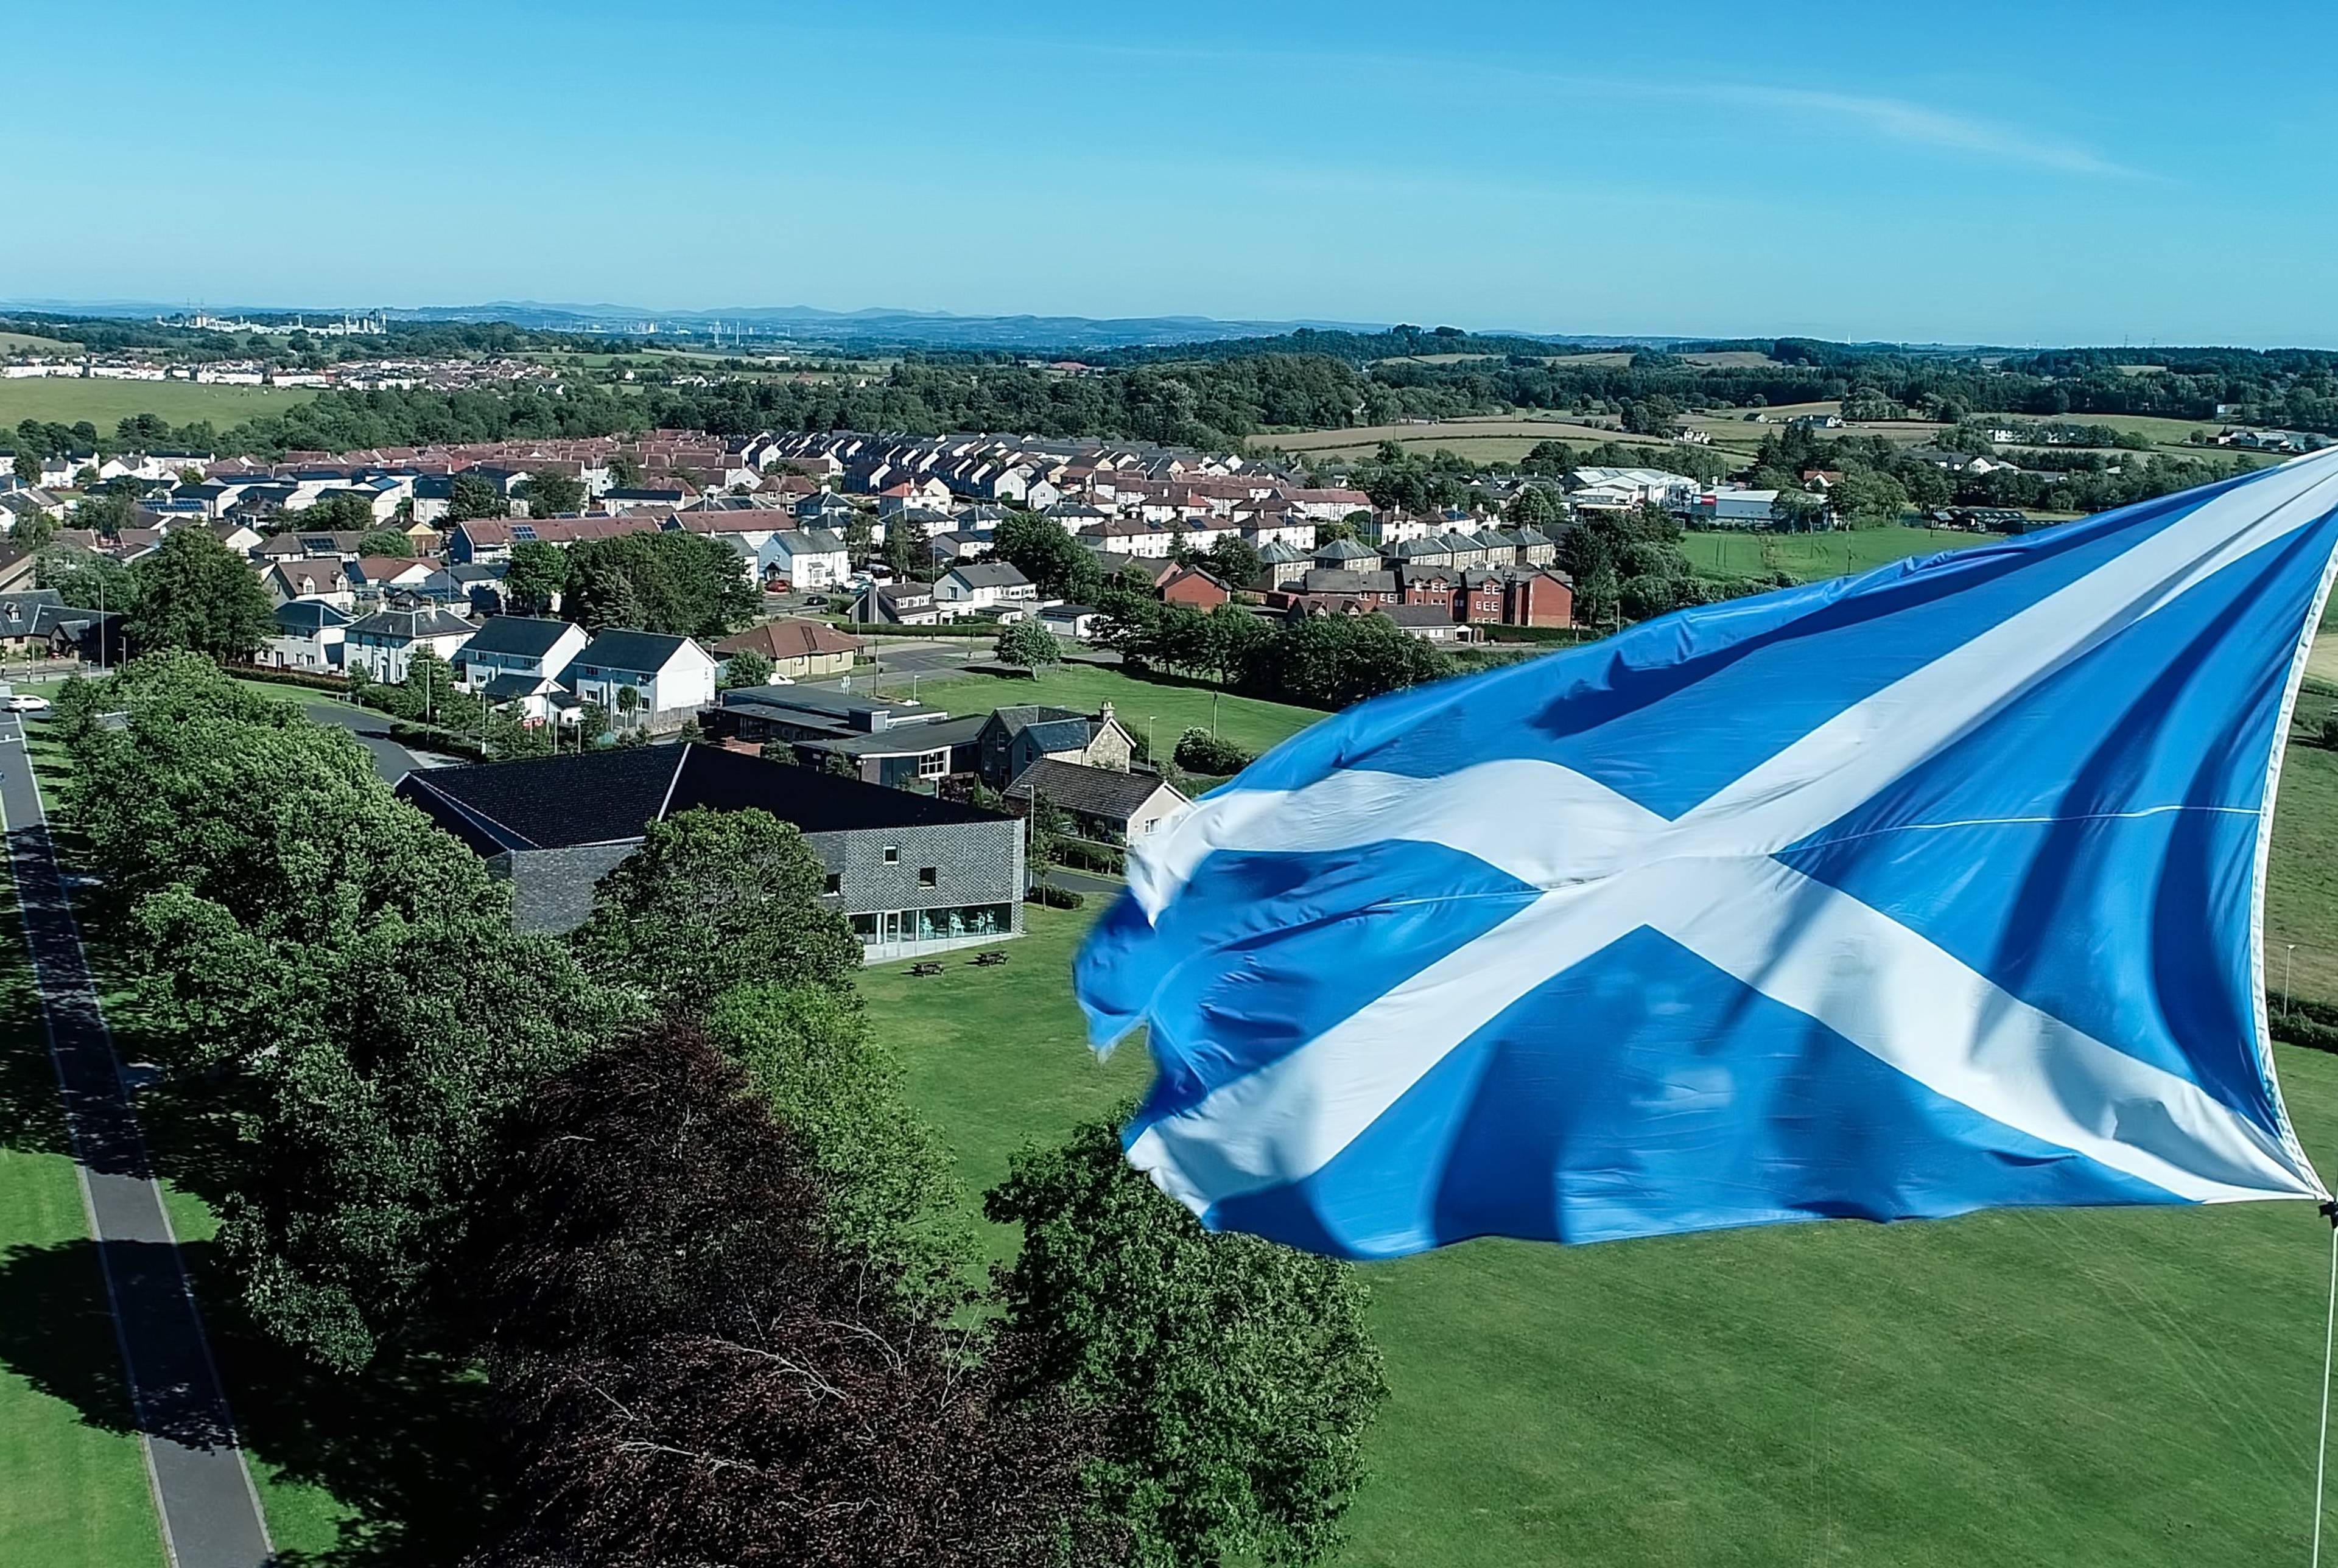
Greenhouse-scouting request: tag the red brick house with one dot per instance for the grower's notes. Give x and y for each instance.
(1195, 588)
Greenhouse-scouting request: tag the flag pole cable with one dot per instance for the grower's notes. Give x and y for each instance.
(2329, 1343)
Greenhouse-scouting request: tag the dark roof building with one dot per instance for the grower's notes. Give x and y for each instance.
(1129, 806)
(914, 873)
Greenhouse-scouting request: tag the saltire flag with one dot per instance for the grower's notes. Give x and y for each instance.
(1927, 890)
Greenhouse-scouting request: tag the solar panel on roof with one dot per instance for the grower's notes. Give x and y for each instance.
(523, 534)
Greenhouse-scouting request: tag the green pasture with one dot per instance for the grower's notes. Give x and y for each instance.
(69, 400)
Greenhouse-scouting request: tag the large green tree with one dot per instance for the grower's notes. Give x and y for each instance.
(1238, 1374)
(195, 593)
(470, 496)
(892, 1203)
(536, 576)
(680, 583)
(1028, 644)
(555, 496)
(710, 900)
(341, 972)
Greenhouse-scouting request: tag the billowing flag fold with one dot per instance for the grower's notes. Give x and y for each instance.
(1926, 890)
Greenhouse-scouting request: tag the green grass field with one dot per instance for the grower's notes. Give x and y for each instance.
(1810, 556)
(1167, 710)
(26, 343)
(105, 404)
(2084, 1388)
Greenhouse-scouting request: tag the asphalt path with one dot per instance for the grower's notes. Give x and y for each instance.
(372, 730)
(210, 1515)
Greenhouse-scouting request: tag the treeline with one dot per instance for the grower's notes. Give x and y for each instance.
(638, 1222)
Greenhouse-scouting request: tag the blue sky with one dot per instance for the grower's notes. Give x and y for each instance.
(2015, 174)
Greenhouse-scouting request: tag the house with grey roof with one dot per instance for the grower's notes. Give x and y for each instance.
(984, 585)
(1115, 806)
(519, 659)
(912, 873)
(1016, 737)
(308, 636)
(670, 677)
(383, 644)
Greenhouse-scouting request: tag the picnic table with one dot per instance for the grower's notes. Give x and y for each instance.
(984, 960)
(927, 968)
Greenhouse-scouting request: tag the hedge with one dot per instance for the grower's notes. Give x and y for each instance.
(1054, 898)
(2297, 1021)
(309, 679)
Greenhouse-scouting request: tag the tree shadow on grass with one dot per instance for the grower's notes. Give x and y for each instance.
(403, 1447)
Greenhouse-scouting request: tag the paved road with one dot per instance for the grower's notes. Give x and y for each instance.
(210, 1515)
(373, 730)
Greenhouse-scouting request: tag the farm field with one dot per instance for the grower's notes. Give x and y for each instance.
(1168, 711)
(1442, 433)
(25, 343)
(69, 401)
(2081, 1387)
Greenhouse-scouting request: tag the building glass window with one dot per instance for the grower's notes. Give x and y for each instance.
(835, 883)
(927, 876)
(892, 854)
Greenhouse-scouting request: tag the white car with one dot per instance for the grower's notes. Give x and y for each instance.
(26, 702)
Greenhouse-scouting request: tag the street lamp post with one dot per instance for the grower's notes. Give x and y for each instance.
(2288, 964)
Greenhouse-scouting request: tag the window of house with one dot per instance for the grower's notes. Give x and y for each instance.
(892, 854)
(933, 765)
(926, 877)
(835, 883)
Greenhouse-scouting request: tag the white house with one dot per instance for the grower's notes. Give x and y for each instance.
(383, 643)
(308, 635)
(667, 675)
(530, 649)
(983, 585)
(809, 558)
(1734, 508)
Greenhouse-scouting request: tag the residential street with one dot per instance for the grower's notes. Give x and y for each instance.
(211, 1516)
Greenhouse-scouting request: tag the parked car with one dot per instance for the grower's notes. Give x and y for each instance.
(26, 702)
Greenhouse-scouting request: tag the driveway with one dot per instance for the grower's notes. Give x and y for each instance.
(372, 730)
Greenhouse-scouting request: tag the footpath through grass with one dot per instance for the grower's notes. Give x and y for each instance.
(2076, 1387)
(73, 1481)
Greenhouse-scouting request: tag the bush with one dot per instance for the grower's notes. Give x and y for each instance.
(1089, 856)
(1054, 898)
(309, 680)
(2314, 1025)
(1199, 751)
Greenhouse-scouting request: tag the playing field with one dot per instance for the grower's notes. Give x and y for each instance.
(69, 401)
(2087, 1388)
(1166, 710)
(1810, 556)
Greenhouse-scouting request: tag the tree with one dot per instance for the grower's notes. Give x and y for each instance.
(384, 541)
(710, 900)
(106, 513)
(685, 585)
(1038, 547)
(891, 1200)
(1238, 1374)
(629, 702)
(34, 531)
(747, 667)
(1028, 644)
(905, 547)
(344, 511)
(555, 496)
(692, 1373)
(536, 576)
(344, 974)
(625, 472)
(87, 580)
(470, 496)
(1235, 560)
(193, 592)
(27, 468)
(1199, 751)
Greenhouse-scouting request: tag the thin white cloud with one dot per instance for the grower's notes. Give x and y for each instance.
(1923, 125)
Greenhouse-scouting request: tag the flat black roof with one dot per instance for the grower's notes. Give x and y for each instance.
(608, 797)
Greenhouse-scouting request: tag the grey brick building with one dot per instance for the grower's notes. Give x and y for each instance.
(915, 874)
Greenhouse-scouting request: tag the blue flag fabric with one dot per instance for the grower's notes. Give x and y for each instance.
(1931, 889)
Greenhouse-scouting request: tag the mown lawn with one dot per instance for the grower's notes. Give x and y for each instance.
(1811, 556)
(1167, 710)
(2080, 1387)
(68, 400)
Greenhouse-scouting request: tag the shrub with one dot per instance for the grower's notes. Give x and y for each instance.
(1199, 751)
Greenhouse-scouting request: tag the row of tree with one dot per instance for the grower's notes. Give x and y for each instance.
(655, 1190)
